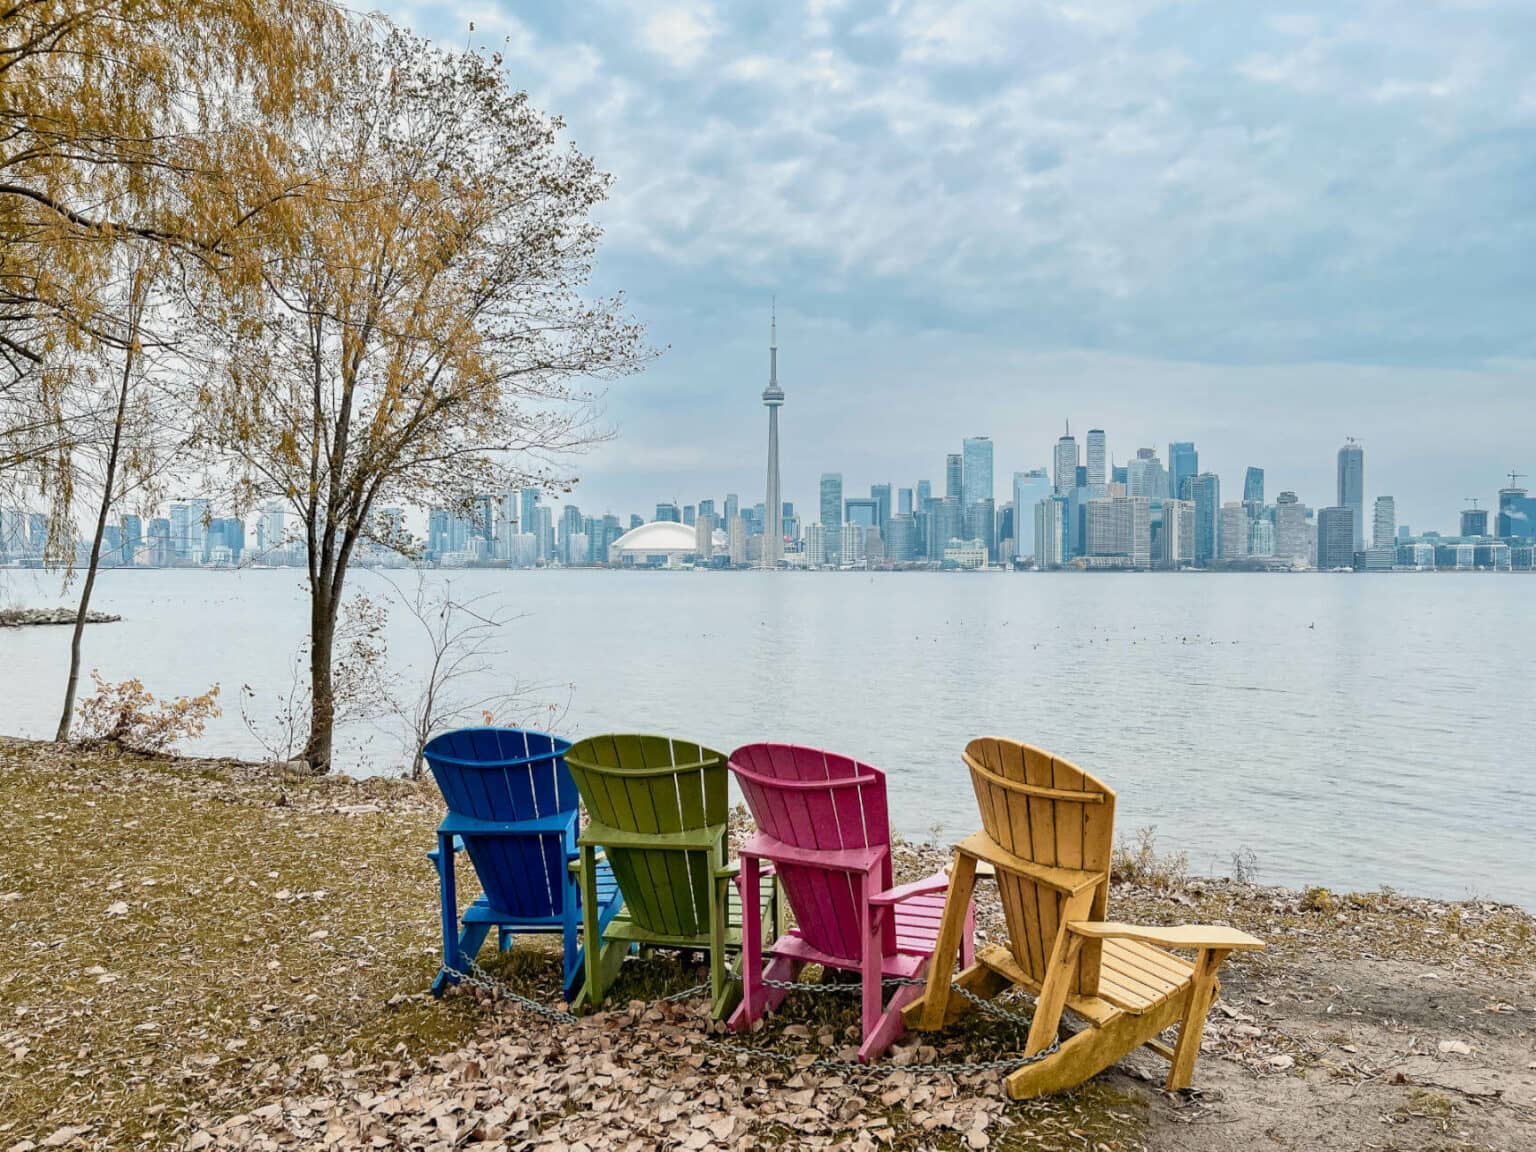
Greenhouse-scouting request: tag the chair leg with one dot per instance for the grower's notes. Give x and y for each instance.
(1060, 974)
(871, 969)
(941, 967)
(1201, 989)
(593, 989)
(723, 992)
(968, 941)
(752, 1005)
(447, 892)
(890, 1027)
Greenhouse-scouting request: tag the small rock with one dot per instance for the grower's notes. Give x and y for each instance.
(1455, 1048)
(118, 908)
(1282, 1062)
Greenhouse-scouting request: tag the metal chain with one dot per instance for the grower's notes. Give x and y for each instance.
(478, 977)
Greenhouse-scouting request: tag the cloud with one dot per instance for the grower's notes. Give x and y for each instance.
(679, 33)
(1178, 182)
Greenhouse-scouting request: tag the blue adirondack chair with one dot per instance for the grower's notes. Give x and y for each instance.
(513, 807)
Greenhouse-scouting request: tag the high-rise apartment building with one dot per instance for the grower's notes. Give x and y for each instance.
(1048, 532)
(1291, 529)
(1352, 487)
(1119, 527)
(832, 515)
(1232, 526)
(1096, 458)
(1205, 493)
(1183, 465)
(1335, 538)
(1384, 523)
(1176, 538)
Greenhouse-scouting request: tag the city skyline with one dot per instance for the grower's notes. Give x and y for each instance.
(1317, 234)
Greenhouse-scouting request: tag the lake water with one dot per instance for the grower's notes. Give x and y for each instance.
(1348, 731)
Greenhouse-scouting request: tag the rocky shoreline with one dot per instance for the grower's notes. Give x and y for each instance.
(1374, 1021)
(29, 617)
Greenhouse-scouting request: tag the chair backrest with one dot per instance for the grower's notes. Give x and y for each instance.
(656, 785)
(508, 775)
(1029, 808)
(808, 798)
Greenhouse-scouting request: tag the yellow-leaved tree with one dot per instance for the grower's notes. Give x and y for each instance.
(417, 328)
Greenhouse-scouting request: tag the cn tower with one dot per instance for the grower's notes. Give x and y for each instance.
(773, 398)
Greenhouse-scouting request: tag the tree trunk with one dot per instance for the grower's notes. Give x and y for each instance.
(109, 481)
(322, 699)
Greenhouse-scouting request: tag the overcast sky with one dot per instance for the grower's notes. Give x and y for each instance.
(1172, 220)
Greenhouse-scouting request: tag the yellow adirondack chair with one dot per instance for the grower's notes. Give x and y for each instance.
(1047, 834)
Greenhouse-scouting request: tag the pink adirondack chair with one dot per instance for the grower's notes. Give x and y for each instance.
(822, 826)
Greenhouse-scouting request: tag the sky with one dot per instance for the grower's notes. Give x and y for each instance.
(1262, 228)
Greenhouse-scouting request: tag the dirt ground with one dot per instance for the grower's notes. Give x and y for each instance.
(197, 955)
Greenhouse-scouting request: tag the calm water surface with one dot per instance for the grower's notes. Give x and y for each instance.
(1348, 731)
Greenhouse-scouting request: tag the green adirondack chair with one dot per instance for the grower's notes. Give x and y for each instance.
(658, 811)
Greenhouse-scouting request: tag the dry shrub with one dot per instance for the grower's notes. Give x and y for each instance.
(129, 716)
(1142, 864)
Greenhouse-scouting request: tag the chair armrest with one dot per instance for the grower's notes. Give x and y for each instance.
(458, 846)
(727, 871)
(938, 882)
(573, 860)
(1182, 936)
(539, 826)
(837, 859)
(695, 839)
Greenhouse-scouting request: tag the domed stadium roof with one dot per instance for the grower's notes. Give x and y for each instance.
(657, 537)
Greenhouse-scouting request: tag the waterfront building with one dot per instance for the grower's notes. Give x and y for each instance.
(732, 506)
(1261, 537)
(1119, 526)
(1183, 466)
(904, 505)
(1064, 464)
(1049, 531)
(528, 503)
(1384, 523)
(659, 544)
(737, 540)
(159, 548)
(1517, 513)
(1253, 486)
(706, 508)
(668, 512)
(965, 554)
(901, 546)
(924, 494)
(981, 524)
(1454, 556)
(815, 546)
(1233, 528)
(1416, 554)
(1096, 458)
(1474, 522)
(1176, 536)
(1335, 538)
(1352, 487)
(1290, 529)
(1204, 490)
(1491, 556)
(852, 545)
(690, 514)
(133, 537)
(570, 527)
(1029, 488)
(832, 515)
(773, 400)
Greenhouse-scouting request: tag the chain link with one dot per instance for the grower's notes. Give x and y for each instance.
(478, 977)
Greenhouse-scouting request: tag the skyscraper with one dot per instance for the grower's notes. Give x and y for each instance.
(773, 400)
(1335, 536)
(1205, 491)
(1517, 512)
(1384, 523)
(1352, 489)
(1048, 532)
(1253, 486)
(1291, 529)
(954, 477)
(1183, 464)
(1096, 472)
(1474, 521)
(1029, 488)
(832, 515)
(1065, 464)
(977, 475)
(881, 495)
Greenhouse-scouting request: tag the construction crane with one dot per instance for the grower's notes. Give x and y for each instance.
(1515, 478)
(1472, 500)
